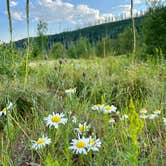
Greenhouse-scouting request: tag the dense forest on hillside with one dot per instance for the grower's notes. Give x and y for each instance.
(93, 33)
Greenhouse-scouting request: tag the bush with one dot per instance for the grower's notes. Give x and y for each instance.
(9, 57)
(104, 47)
(82, 48)
(57, 51)
(71, 52)
(36, 51)
(124, 42)
(154, 30)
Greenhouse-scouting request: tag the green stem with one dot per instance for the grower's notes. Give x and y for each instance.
(134, 30)
(91, 159)
(10, 21)
(20, 127)
(134, 48)
(28, 45)
(82, 159)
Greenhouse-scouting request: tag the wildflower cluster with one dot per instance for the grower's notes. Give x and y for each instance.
(104, 108)
(80, 145)
(84, 144)
(52, 120)
(144, 114)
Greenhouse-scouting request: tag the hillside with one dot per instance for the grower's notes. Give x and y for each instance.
(93, 33)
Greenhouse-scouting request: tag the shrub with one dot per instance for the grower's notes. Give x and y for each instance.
(71, 52)
(154, 30)
(57, 51)
(124, 42)
(104, 47)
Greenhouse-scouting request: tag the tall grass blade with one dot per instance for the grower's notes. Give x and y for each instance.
(133, 27)
(132, 70)
(10, 20)
(28, 43)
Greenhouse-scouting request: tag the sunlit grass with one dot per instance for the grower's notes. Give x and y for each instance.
(127, 136)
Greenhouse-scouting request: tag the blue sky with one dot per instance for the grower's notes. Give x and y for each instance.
(60, 14)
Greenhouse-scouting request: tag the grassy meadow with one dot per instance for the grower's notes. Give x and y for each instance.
(98, 101)
(133, 135)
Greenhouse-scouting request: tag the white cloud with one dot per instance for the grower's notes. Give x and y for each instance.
(137, 1)
(17, 15)
(125, 9)
(59, 11)
(154, 1)
(13, 3)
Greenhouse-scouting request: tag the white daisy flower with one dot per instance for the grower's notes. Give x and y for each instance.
(74, 119)
(80, 145)
(164, 120)
(152, 116)
(109, 109)
(117, 112)
(10, 105)
(143, 111)
(70, 91)
(124, 117)
(112, 121)
(143, 116)
(98, 107)
(157, 112)
(55, 119)
(41, 142)
(94, 144)
(82, 128)
(4, 111)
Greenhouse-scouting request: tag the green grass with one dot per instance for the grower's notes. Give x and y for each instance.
(107, 81)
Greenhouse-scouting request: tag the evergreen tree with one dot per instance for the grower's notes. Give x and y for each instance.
(154, 30)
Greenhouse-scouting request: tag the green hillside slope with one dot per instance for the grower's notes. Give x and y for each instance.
(93, 33)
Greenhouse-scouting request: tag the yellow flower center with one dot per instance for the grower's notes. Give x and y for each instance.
(80, 144)
(107, 108)
(56, 119)
(40, 141)
(82, 128)
(4, 110)
(157, 111)
(91, 142)
(98, 105)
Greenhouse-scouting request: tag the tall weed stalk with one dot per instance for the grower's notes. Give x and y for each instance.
(28, 44)
(132, 70)
(11, 31)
